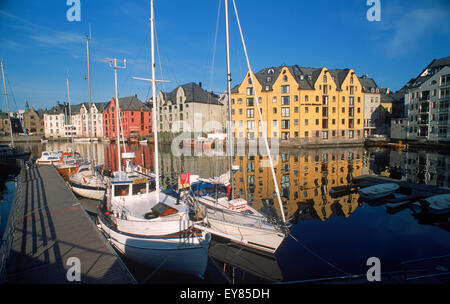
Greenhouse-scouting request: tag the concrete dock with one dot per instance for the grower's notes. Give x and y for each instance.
(53, 233)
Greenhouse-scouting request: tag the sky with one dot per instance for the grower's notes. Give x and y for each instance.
(40, 46)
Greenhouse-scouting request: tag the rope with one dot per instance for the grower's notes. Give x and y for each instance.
(318, 256)
(260, 116)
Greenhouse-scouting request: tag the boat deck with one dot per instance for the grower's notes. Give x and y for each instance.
(51, 227)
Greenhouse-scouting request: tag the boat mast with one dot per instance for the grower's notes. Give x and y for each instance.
(230, 122)
(155, 124)
(7, 105)
(70, 113)
(90, 125)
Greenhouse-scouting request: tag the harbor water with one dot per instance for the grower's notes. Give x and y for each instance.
(329, 237)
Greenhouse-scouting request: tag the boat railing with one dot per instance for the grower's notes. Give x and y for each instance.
(7, 238)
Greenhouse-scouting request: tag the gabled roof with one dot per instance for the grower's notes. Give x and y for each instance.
(435, 66)
(367, 83)
(131, 103)
(194, 94)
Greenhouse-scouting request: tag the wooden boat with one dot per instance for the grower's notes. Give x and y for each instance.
(437, 204)
(378, 191)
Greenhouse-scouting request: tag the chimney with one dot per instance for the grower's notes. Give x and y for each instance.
(387, 91)
(200, 84)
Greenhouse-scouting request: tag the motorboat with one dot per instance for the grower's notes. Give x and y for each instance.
(437, 204)
(69, 163)
(151, 228)
(379, 191)
(49, 157)
(87, 183)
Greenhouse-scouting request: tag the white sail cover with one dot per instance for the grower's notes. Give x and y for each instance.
(223, 179)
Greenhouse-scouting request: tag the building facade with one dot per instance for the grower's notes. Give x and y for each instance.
(373, 111)
(190, 108)
(33, 121)
(55, 121)
(136, 118)
(302, 105)
(427, 102)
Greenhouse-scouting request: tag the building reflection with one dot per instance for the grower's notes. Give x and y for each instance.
(422, 167)
(304, 177)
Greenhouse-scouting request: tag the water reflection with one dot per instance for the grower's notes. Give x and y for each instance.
(305, 178)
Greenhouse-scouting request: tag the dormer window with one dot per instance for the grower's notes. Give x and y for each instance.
(302, 77)
(271, 71)
(269, 79)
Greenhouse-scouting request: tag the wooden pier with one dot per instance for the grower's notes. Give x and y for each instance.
(51, 229)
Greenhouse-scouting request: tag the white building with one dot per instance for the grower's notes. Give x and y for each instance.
(56, 121)
(188, 104)
(427, 102)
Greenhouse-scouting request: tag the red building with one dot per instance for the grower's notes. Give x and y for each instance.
(136, 118)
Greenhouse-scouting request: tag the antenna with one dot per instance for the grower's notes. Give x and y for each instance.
(113, 64)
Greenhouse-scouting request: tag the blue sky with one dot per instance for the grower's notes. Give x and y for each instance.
(39, 45)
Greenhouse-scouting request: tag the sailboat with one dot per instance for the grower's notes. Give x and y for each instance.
(70, 161)
(228, 215)
(145, 224)
(86, 182)
(11, 152)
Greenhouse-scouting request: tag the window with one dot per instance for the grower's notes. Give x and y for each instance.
(250, 125)
(325, 78)
(325, 100)
(306, 109)
(250, 113)
(306, 98)
(285, 124)
(325, 134)
(296, 123)
(325, 123)
(306, 122)
(296, 97)
(250, 102)
(285, 89)
(139, 188)
(285, 78)
(285, 100)
(250, 91)
(274, 110)
(285, 112)
(274, 99)
(121, 190)
(285, 135)
(296, 110)
(306, 134)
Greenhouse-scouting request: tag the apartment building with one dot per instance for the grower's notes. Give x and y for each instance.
(301, 105)
(427, 103)
(373, 110)
(136, 118)
(190, 106)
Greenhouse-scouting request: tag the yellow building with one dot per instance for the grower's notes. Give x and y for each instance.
(304, 179)
(301, 105)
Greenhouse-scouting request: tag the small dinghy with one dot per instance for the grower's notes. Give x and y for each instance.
(437, 204)
(378, 191)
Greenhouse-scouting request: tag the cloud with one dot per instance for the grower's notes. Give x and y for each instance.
(409, 29)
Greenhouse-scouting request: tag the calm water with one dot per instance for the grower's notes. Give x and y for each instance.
(329, 236)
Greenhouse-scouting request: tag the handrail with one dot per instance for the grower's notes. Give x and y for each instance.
(8, 234)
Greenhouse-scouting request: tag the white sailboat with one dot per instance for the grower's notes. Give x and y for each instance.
(146, 225)
(229, 216)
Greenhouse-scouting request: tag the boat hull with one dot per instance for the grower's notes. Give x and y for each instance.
(260, 239)
(187, 255)
(92, 192)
